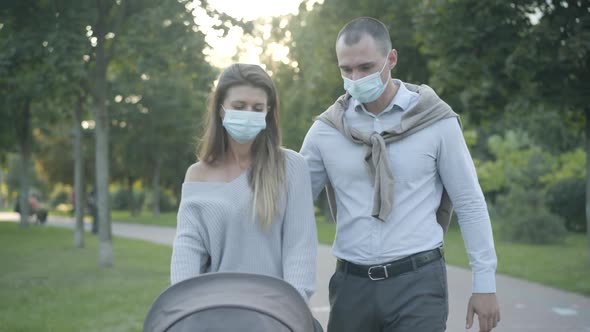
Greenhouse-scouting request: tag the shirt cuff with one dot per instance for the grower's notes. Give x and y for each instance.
(484, 282)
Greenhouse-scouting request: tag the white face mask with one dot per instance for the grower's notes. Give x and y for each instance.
(366, 89)
(244, 126)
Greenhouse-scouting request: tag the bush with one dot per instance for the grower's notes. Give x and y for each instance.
(167, 201)
(139, 197)
(541, 227)
(120, 199)
(567, 199)
(524, 218)
(60, 195)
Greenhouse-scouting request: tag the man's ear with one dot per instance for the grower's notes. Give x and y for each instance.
(392, 57)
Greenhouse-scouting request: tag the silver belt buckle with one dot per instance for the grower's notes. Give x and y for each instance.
(384, 267)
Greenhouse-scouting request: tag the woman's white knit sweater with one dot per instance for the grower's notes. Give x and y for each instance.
(216, 231)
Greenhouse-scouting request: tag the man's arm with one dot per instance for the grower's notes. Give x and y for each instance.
(458, 175)
(315, 162)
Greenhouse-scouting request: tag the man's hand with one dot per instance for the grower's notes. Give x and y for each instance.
(485, 305)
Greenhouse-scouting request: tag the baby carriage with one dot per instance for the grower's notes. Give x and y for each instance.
(224, 302)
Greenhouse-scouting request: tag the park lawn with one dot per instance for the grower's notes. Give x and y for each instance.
(145, 217)
(564, 266)
(48, 285)
(124, 216)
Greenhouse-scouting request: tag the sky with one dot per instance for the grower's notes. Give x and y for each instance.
(253, 9)
(223, 49)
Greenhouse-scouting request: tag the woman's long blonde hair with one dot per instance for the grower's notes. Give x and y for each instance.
(267, 176)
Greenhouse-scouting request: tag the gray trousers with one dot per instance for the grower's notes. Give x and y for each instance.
(415, 301)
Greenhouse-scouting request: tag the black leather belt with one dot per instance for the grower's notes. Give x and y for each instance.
(391, 269)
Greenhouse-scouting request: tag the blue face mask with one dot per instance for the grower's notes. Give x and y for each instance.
(244, 126)
(366, 89)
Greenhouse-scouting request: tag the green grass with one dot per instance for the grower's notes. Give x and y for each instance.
(564, 266)
(48, 285)
(145, 217)
(326, 231)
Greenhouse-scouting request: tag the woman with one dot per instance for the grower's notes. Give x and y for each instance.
(246, 205)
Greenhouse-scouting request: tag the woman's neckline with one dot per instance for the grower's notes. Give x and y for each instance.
(236, 179)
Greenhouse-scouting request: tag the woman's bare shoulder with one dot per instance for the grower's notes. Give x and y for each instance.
(197, 172)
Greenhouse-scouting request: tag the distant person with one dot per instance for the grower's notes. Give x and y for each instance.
(246, 205)
(394, 160)
(36, 209)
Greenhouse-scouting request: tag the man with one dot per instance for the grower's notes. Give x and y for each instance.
(393, 157)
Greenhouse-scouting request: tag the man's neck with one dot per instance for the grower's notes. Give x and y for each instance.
(385, 99)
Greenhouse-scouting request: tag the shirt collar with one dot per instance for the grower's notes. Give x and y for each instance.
(402, 99)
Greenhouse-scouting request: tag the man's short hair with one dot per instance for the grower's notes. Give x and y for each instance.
(354, 30)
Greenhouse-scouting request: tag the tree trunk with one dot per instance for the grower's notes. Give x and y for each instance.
(101, 131)
(156, 188)
(78, 175)
(102, 181)
(25, 139)
(92, 198)
(588, 178)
